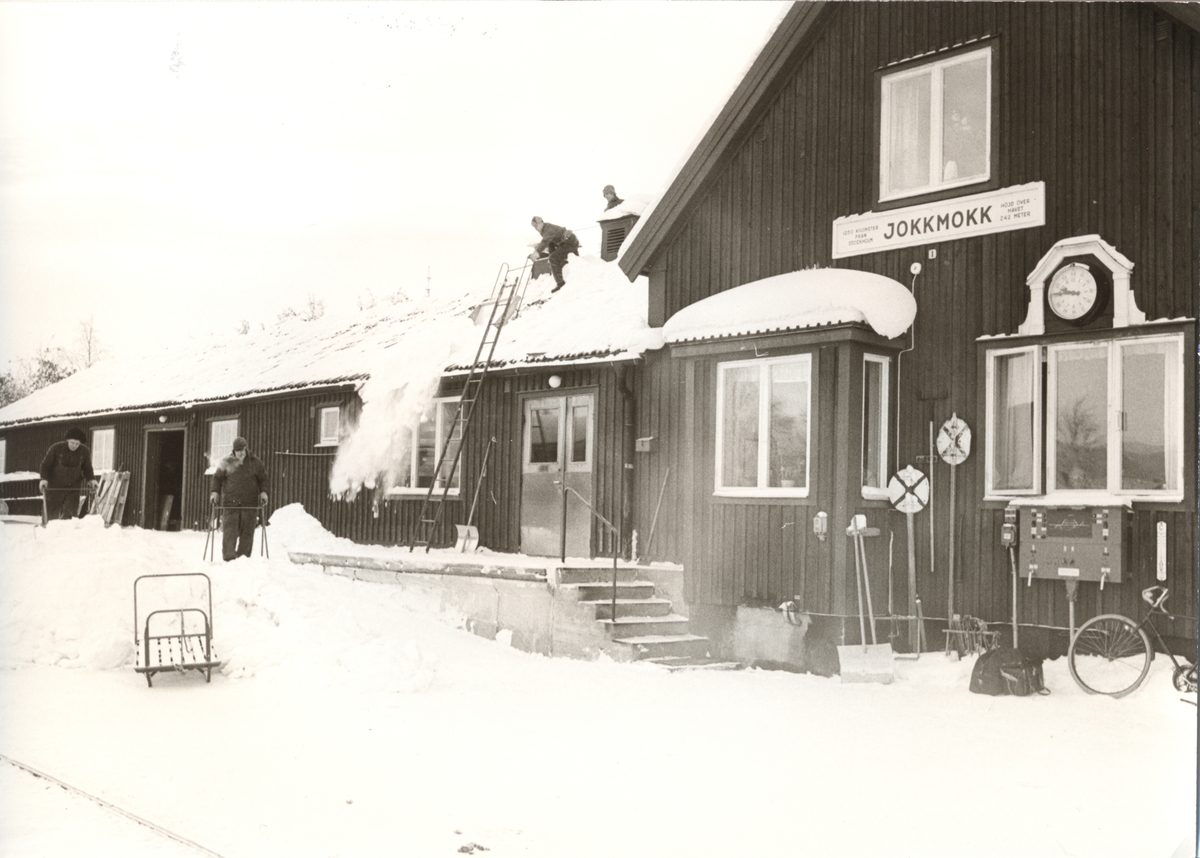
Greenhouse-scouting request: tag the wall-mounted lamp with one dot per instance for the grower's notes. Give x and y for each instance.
(555, 381)
(821, 525)
(162, 418)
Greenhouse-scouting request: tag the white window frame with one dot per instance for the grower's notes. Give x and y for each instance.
(324, 438)
(1172, 420)
(936, 71)
(3, 455)
(764, 412)
(442, 410)
(219, 448)
(990, 433)
(102, 455)
(1045, 422)
(885, 394)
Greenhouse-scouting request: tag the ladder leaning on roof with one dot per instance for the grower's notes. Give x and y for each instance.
(504, 300)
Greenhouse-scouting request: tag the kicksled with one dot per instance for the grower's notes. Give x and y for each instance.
(177, 638)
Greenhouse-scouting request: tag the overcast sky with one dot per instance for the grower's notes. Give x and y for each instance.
(177, 168)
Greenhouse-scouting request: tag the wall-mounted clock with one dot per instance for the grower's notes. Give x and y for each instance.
(1074, 294)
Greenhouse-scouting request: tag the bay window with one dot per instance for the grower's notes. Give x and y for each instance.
(936, 125)
(763, 411)
(1113, 418)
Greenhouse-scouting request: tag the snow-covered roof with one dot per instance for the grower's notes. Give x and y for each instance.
(800, 299)
(598, 315)
(634, 204)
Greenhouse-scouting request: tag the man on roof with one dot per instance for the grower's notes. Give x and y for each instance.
(239, 489)
(610, 194)
(64, 468)
(557, 243)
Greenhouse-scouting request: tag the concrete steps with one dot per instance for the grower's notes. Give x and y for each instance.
(645, 626)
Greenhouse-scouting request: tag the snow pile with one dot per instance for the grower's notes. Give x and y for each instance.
(346, 722)
(398, 394)
(598, 313)
(800, 299)
(68, 601)
(634, 204)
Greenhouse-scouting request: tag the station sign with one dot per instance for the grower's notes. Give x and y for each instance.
(1002, 210)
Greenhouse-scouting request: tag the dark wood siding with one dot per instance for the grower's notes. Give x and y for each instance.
(283, 431)
(1100, 102)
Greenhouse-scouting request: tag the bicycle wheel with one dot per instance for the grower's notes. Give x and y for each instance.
(1184, 678)
(1110, 654)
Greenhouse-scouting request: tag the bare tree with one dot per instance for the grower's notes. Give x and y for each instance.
(90, 350)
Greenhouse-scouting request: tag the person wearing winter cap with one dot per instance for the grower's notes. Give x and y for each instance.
(557, 243)
(64, 468)
(239, 488)
(610, 194)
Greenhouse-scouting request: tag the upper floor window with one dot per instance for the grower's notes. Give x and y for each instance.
(763, 409)
(936, 125)
(1113, 418)
(102, 449)
(431, 434)
(329, 426)
(220, 441)
(875, 426)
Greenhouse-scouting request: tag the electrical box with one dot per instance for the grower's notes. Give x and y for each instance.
(1074, 543)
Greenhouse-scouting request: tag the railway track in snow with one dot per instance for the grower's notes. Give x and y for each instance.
(112, 808)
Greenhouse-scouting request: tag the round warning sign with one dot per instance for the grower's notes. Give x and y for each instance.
(908, 490)
(954, 441)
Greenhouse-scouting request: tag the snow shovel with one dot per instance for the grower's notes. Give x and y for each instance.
(864, 662)
(468, 534)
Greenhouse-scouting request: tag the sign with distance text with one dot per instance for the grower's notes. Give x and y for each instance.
(1018, 207)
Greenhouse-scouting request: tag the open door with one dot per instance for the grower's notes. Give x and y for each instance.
(162, 507)
(557, 447)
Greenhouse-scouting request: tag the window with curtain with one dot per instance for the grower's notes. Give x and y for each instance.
(936, 125)
(220, 441)
(330, 426)
(102, 449)
(763, 410)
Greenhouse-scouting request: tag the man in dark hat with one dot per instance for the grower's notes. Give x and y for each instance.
(64, 468)
(612, 200)
(239, 486)
(557, 242)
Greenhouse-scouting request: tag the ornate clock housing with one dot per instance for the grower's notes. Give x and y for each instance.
(1075, 293)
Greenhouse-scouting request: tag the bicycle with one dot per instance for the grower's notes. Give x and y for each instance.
(1111, 654)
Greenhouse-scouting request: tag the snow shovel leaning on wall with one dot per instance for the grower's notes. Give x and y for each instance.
(468, 534)
(865, 662)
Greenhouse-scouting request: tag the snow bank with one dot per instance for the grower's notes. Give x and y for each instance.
(67, 601)
(800, 299)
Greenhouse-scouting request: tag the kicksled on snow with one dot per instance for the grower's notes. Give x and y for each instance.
(175, 638)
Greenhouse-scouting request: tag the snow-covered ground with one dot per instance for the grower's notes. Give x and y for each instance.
(344, 723)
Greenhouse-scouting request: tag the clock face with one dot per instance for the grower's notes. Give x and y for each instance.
(1073, 292)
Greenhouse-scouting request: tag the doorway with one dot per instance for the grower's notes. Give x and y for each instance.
(557, 447)
(162, 507)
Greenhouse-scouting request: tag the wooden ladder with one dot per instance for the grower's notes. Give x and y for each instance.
(504, 300)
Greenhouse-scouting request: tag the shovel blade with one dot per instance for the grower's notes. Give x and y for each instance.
(468, 538)
(867, 663)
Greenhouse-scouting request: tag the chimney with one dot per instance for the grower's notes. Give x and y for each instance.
(616, 223)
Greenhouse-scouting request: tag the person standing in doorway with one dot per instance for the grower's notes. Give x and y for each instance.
(239, 486)
(557, 243)
(64, 468)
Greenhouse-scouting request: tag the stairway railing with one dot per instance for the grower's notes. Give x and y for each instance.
(613, 529)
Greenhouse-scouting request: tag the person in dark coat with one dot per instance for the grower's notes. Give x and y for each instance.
(64, 468)
(557, 243)
(240, 480)
(610, 194)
